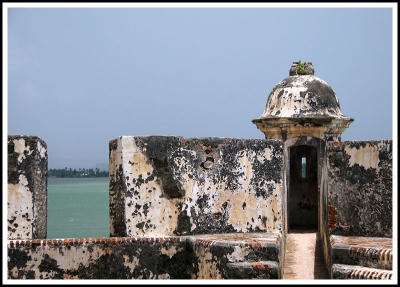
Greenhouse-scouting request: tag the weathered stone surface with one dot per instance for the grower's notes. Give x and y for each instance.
(357, 189)
(374, 252)
(302, 105)
(100, 258)
(342, 271)
(255, 270)
(302, 96)
(217, 253)
(359, 194)
(176, 257)
(163, 185)
(27, 187)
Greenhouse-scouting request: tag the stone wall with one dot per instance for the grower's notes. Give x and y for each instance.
(359, 188)
(27, 187)
(356, 194)
(164, 185)
(237, 255)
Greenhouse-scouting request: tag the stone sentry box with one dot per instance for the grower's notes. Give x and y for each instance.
(27, 187)
(165, 185)
(304, 113)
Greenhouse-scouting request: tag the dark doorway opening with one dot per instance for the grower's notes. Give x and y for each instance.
(303, 188)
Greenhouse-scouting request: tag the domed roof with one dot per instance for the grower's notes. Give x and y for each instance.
(302, 96)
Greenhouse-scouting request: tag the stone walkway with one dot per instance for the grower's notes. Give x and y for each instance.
(304, 256)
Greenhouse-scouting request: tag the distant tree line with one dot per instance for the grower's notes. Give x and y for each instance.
(81, 172)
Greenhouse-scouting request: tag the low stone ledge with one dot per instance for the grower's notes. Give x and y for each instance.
(100, 258)
(252, 240)
(82, 241)
(217, 253)
(374, 252)
(342, 271)
(253, 246)
(169, 257)
(254, 270)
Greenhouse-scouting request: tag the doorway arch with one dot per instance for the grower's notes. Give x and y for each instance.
(303, 188)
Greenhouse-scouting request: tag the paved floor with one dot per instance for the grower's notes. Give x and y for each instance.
(304, 256)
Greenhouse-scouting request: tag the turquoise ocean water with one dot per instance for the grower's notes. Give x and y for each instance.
(77, 207)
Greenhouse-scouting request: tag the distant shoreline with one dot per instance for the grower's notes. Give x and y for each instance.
(74, 173)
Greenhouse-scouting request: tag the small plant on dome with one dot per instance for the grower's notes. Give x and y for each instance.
(301, 70)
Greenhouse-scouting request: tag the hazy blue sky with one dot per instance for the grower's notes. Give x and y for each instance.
(78, 78)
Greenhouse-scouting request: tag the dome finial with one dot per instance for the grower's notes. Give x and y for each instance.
(300, 69)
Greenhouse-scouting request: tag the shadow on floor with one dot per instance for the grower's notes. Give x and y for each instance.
(320, 269)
